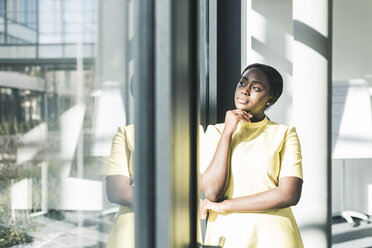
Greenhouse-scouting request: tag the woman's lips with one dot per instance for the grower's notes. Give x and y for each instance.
(242, 100)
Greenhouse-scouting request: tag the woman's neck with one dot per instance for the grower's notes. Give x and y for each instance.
(257, 118)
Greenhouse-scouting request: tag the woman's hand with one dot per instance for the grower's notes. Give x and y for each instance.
(287, 194)
(232, 119)
(207, 205)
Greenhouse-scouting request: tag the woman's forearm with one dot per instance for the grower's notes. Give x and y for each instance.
(285, 195)
(215, 179)
(264, 201)
(119, 190)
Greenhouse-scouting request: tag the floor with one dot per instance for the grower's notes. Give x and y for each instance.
(346, 236)
(92, 232)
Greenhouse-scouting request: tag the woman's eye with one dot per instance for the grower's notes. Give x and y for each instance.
(241, 83)
(256, 88)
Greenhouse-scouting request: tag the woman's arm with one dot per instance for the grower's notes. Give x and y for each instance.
(287, 194)
(214, 180)
(119, 190)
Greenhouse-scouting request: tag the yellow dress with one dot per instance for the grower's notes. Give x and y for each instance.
(121, 163)
(261, 154)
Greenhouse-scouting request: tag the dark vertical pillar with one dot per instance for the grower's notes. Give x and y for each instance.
(228, 54)
(194, 113)
(166, 111)
(203, 49)
(144, 159)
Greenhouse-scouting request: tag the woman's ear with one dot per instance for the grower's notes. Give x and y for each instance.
(270, 102)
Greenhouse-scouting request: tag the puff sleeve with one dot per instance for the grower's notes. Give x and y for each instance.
(291, 158)
(121, 156)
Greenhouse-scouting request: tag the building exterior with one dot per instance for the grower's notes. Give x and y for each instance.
(73, 71)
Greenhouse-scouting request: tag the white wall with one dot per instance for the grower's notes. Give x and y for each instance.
(352, 39)
(270, 25)
(352, 59)
(358, 175)
(303, 64)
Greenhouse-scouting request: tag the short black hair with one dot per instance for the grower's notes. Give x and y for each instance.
(274, 77)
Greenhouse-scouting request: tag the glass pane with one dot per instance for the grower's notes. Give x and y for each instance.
(351, 104)
(66, 114)
(203, 44)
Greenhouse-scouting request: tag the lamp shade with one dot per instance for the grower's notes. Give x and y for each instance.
(351, 120)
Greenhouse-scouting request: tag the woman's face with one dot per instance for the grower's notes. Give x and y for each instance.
(252, 93)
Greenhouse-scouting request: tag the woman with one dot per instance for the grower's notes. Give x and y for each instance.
(119, 182)
(251, 169)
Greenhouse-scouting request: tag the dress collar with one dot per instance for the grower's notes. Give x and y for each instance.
(261, 123)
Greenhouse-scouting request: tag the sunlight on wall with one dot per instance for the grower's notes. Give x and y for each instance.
(310, 104)
(259, 25)
(313, 13)
(288, 40)
(267, 38)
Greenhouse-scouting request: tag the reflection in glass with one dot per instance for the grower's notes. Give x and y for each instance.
(120, 187)
(64, 92)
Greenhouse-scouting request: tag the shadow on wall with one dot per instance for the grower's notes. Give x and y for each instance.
(273, 31)
(271, 40)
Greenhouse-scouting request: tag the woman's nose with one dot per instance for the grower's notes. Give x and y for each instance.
(245, 91)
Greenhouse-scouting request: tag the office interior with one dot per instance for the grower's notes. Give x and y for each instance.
(73, 71)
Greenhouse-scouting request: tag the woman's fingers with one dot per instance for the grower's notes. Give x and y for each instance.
(212, 206)
(233, 117)
(242, 115)
(247, 116)
(203, 210)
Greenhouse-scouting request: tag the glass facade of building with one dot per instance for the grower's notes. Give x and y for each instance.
(58, 116)
(69, 71)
